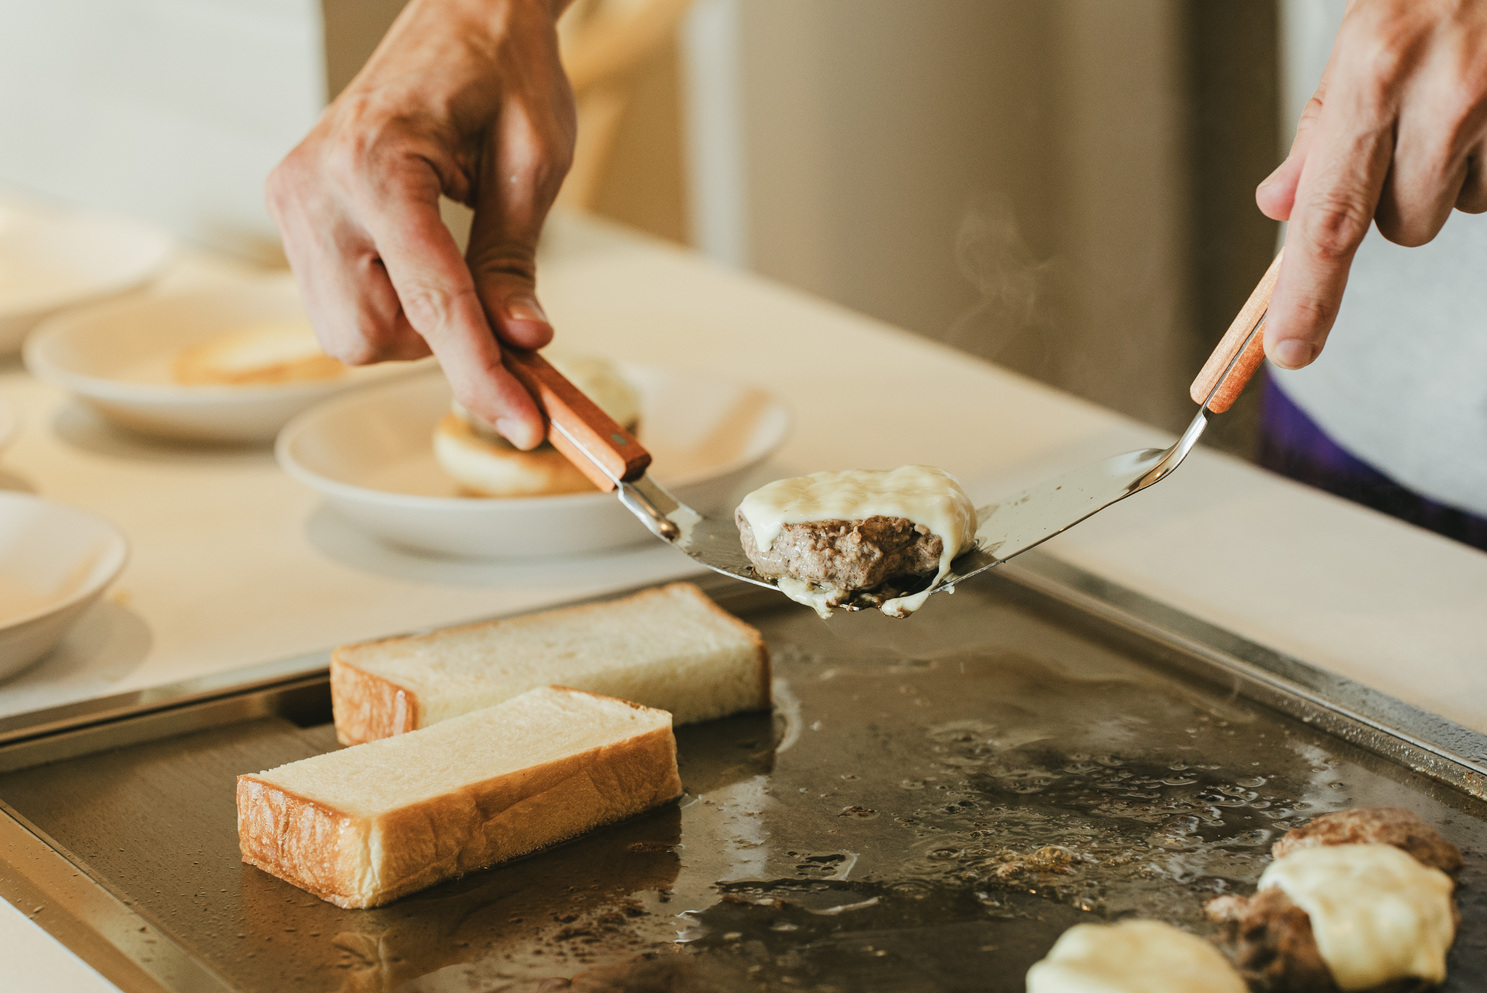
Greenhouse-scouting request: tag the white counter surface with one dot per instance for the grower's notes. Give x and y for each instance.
(233, 563)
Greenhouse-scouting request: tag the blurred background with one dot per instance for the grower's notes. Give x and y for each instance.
(1062, 187)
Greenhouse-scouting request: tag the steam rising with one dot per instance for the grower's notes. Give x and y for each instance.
(1010, 322)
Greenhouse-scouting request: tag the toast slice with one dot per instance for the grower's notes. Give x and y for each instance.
(669, 647)
(362, 826)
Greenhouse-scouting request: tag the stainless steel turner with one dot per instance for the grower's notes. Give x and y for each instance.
(612, 458)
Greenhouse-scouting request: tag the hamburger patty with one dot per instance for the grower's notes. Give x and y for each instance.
(1395, 826)
(1272, 941)
(848, 555)
(1272, 937)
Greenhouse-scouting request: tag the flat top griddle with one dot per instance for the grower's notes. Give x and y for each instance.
(930, 805)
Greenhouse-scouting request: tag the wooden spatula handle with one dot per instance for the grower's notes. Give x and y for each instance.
(1213, 373)
(576, 425)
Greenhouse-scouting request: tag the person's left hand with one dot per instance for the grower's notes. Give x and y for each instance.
(1395, 134)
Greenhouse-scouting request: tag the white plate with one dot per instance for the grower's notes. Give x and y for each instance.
(117, 358)
(370, 455)
(54, 562)
(55, 259)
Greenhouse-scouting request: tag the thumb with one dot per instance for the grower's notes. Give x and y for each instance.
(505, 274)
(520, 173)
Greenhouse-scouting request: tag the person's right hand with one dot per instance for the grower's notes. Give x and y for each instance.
(465, 98)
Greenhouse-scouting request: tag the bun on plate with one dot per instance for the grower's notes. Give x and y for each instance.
(256, 355)
(487, 465)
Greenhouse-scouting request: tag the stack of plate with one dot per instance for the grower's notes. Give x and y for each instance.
(116, 357)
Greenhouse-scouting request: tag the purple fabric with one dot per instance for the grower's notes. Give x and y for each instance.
(1292, 444)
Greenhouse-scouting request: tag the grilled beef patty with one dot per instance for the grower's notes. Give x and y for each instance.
(1395, 826)
(848, 555)
(1272, 937)
(1273, 942)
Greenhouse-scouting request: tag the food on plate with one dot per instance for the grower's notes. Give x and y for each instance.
(1355, 900)
(1132, 956)
(668, 647)
(261, 354)
(362, 826)
(828, 535)
(487, 465)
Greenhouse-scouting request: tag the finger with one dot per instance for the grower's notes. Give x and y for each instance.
(1473, 196)
(345, 291)
(1430, 161)
(438, 297)
(370, 316)
(1336, 198)
(521, 170)
(1276, 194)
(351, 303)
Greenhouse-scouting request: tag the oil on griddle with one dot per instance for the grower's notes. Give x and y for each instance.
(929, 807)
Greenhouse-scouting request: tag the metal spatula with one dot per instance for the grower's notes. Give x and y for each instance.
(612, 458)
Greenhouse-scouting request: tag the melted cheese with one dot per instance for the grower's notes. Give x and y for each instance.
(1132, 957)
(1377, 913)
(921, 494)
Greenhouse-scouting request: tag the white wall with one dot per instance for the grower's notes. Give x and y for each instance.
(173, 110)
(1006, 176)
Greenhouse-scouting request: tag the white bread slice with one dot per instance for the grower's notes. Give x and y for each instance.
(668, 647)
(363, 826)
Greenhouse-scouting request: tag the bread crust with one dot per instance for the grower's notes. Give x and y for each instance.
(368, 706)
(358, 862)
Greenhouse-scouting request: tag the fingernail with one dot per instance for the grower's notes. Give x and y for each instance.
(1293, 353)
(525, 308)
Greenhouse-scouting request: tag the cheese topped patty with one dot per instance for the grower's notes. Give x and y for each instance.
(923, 495)
(1377, 913)
(1133, 957)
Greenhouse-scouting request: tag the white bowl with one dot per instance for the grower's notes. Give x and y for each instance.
(55, 259)
(370, 455)
(54, 562)
(116, 357)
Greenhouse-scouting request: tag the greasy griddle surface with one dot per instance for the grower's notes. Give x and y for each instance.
(931, 804)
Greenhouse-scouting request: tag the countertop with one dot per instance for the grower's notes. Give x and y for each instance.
(234, 564)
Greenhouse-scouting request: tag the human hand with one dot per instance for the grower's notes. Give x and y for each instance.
(1395, 134)
(465, 98)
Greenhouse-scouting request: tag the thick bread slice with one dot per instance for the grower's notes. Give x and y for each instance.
(363, 826)
(670, 647)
